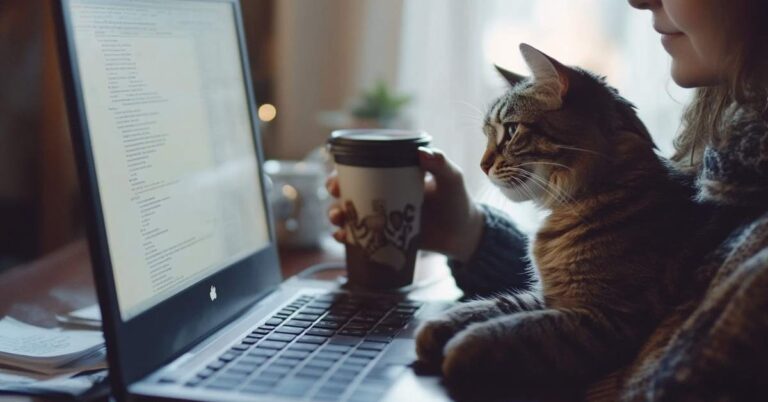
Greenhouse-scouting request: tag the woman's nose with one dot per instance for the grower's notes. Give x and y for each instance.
(644, 4)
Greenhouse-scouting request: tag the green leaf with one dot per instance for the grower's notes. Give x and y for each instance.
(380, 103)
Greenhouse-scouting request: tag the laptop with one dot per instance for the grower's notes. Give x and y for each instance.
(182, 242)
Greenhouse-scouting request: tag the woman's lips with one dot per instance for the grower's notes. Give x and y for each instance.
(668, 38)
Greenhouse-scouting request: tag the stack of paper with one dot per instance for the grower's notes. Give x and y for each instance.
(88, 317)
(49, 351)
(81, 387)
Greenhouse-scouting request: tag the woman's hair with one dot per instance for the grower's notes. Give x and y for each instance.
(744, 24)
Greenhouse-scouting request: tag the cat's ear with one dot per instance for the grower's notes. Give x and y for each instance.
(509, 76)
(547, 72)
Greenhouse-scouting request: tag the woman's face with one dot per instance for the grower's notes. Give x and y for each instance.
(692, 34)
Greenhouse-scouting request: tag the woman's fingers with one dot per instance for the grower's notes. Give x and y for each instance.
(332, 185)
(429, 183)
(444, 171)
(336, 215)
(340, 236)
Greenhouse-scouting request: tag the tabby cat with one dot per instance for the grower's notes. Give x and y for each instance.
(606, 257)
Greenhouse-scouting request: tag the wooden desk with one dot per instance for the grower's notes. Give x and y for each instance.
(57, 283)
(61, 281)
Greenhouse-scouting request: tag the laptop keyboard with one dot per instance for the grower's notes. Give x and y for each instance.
(315, 348)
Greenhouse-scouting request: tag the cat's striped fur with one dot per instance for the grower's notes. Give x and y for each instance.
(607, 256)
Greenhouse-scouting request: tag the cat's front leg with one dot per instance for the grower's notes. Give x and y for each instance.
(435, 333)
(531, 353)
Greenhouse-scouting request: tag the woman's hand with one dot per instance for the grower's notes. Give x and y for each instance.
(451, 223)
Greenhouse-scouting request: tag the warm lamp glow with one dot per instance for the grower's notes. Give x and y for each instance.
(290, 192)
(267, 112)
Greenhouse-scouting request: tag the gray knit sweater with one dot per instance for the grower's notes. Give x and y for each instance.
(500, 262)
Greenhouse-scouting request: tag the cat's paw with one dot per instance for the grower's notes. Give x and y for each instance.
(432, 337)
(468, 352)
(474, 358)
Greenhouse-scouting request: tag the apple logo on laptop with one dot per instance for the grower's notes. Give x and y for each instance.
(212, 293)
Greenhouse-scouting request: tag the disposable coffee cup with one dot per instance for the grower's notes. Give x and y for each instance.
(382, 191)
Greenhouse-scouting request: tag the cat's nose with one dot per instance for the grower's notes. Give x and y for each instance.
(486, 167)
(486, 163)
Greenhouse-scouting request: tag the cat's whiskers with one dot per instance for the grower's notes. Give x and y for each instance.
(589, 151)
(565, 202)
(523, 186)
(565, 197)
(514, 172)
(497, 198)
(557, 194)
(472, 116)
(506, 169)
(545, 163)
(465, 121)
(471, 107)
(473, 123)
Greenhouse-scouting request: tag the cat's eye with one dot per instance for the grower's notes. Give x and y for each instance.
(509, 130)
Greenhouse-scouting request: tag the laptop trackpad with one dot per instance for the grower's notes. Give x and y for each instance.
(409, 386)
(400, 352)
(396, 360)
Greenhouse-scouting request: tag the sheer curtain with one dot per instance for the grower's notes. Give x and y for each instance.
(448, 48)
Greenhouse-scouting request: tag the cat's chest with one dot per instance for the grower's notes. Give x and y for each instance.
(565, 268)
(551, 252)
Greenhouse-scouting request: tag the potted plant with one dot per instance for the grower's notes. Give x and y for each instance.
(379, 107)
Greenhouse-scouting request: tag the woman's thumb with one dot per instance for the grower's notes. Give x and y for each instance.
(435, 162)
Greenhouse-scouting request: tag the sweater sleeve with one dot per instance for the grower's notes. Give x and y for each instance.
(500, 262)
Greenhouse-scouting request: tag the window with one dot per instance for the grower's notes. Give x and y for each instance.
(448, 49)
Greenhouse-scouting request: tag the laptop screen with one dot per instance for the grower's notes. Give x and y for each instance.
(172, 141)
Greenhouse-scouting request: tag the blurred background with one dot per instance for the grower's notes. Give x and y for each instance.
(320, 65)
